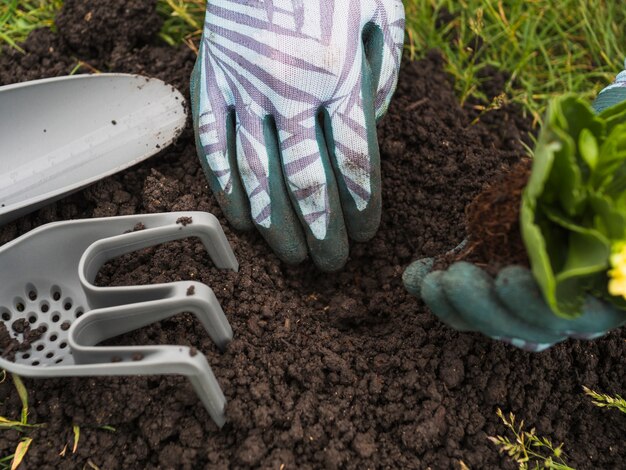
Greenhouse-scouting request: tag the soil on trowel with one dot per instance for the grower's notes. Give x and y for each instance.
(326, 371)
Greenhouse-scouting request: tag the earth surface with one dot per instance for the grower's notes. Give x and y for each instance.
(326, 371)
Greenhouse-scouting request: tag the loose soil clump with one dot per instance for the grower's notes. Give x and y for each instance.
(326, 371)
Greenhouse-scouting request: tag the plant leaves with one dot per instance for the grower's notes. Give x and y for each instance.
(588, 255)
(588, 146)
(574, 203)
(614, 116)
(610, 218)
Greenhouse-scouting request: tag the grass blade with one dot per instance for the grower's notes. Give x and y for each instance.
(23, 394)
(20, 452)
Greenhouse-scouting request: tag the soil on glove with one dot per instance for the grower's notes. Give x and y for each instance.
(326, 371)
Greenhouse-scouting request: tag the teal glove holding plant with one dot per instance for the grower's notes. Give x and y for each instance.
(573, 224)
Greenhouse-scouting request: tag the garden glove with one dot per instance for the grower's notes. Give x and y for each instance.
(285, 98)
(511, 307)
(613, 94)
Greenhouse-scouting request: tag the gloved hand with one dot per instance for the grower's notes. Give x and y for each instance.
(508, 308)
(613, 94)
(285, 98)
(511, 307)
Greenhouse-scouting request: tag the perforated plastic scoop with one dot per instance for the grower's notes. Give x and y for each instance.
(58, 135)
(55, 316)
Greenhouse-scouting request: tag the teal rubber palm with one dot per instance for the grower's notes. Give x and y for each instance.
(508, 308)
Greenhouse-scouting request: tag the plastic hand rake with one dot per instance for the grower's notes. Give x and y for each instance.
(55, 316)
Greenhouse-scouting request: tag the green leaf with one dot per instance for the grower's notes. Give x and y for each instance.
(614, 116)
(588, 146)
(574, 205)
(537, 253)
(610, 219)
(76, 430)
(612, 156)
(588, 255)
(23, 394)
(578, 115)
(566, 177)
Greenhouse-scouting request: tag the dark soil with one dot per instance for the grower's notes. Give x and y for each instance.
(341, 371)
(492, 222)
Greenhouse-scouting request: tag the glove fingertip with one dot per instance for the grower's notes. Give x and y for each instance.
(332, 261)
(414, 275)
(287, 241)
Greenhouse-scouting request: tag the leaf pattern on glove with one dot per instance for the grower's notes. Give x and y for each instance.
(288, 59)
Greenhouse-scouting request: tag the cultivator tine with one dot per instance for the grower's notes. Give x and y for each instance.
(155, 360)
(74, 312)
(157, 229)
(105, 323)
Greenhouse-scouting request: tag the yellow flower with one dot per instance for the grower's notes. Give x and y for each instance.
(617, 275)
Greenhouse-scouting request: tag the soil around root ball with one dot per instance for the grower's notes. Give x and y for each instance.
(325, 371)
(493, 222)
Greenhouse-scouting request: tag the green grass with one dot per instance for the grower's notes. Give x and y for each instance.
(19, 17)
(606, 401)
(12, 461)
(526, 448)
(183, 20)
(549, 47)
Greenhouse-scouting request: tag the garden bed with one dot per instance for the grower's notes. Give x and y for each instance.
(326, 371)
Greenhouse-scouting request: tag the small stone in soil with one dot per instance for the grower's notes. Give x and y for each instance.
(191, 291)
(184, 221)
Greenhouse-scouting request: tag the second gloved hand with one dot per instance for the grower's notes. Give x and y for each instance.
(508, 308)
(285, 97)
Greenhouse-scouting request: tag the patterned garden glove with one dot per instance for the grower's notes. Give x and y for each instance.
(510, 307)
(285, 98)
(613, 94)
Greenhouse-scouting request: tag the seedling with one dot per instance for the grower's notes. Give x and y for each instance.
(606, 401)
(573, 214)
(527, 449)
